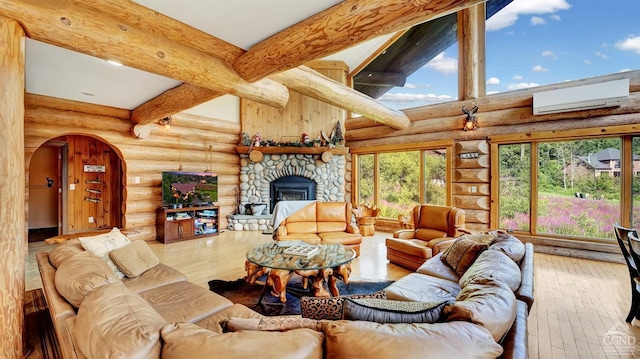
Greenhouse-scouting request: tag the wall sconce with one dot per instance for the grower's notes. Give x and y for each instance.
(166, 122)
(470, 122)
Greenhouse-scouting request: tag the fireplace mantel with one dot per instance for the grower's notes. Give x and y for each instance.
(274, 150)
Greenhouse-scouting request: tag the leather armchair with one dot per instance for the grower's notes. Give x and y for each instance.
(435, 230)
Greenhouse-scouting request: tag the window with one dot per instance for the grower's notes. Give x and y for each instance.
(572, 191)
(397, 181)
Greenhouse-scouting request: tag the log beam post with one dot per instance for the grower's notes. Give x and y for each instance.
(12, 188)
(471, 50)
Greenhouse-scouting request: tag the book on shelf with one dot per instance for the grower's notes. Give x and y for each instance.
(301, 250)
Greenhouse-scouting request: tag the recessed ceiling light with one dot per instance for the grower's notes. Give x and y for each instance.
(88, 93)
(114, 63)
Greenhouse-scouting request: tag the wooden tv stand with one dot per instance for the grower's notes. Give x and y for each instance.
(180, 224)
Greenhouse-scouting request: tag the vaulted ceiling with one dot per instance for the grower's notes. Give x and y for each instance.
(178, 54)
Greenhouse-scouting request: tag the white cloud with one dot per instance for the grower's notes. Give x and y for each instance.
(492, 92)
(624, 70)
(410, 86)
(629, 44)
(493, 81)
(539, 68)
(587, 62)
(522, 85)
(601, 55)
(510, 14)
(517, 78)
(443, 64)
(537, 20)
(548, 53)
(555, 17)
(414, 97)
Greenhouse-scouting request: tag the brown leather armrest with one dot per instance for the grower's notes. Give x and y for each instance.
(280, 232)
(515, 342)
(353, 229)
(404, 233)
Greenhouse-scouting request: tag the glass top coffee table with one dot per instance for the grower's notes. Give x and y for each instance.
(330, 263)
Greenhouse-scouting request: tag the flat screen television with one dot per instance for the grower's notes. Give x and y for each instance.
(189, 188)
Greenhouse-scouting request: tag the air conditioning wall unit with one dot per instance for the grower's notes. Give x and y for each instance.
(586, 97)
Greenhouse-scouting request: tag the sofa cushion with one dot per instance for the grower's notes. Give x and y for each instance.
(102, 244)
(155, 277)
(184, 301)
(487, 302)
(301, 227)
(215, 321)
(340, 238)
(427, 234)
(494, 264)
(80, 275)
(509, 245)
(115, 322)
(362, 339)
(462, 253)
(435, 267)
(434, 217)
(422, 288)
(186, 340)
(337, 212)
(64, 251)
(392, 311)
(330, 308)
(134, 258)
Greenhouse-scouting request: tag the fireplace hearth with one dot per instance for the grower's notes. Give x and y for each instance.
(291, 188)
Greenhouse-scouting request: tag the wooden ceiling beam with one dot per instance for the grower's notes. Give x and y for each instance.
(164, 26)
(337, 28)
(64, 24)
(172, 101)
(313, 84)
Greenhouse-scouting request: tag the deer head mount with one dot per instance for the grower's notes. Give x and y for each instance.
(470, 122)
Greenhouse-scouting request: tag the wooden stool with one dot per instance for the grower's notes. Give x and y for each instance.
(365, 224)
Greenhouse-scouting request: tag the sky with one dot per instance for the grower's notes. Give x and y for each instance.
(536, 42)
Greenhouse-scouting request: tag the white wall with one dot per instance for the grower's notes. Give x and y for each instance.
(226, 108)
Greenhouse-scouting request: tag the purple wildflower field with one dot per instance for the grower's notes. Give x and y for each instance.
(570, 216)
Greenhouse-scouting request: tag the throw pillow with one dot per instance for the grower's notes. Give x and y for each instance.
(102, 244)
(330, 308)
(80, 275)
(281, 322)
(462, 253)
(392, 311)
(134, 259)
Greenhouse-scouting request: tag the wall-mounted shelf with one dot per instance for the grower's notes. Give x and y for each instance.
(275, 150)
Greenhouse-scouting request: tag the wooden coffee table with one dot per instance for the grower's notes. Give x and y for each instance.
(332, 262)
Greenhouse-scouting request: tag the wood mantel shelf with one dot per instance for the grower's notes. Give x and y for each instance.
(275, 150)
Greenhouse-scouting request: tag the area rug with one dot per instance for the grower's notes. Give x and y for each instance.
(239, 291)
(40, 338)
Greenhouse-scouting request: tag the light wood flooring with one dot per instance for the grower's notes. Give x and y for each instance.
(579, 308)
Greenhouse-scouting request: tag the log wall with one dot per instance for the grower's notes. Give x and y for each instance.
(302, 114)
(498, 115)
(193, 143)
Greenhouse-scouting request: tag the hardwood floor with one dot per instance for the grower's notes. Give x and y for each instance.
(579, 308)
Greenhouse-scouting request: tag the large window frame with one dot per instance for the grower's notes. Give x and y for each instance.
(423, 147)
(626, 133)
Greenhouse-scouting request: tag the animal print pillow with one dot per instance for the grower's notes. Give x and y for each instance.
(331, 308)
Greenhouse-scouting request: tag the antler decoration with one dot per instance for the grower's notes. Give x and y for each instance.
(470, 122)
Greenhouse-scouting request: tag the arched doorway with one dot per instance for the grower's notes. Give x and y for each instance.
(75, 186)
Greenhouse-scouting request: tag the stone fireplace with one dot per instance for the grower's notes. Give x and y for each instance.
(288, 176)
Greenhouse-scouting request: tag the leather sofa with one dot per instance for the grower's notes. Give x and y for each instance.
(160, 314)
(321, 223)
(434, 230)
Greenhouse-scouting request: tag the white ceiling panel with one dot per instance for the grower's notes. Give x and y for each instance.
(57, 72)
